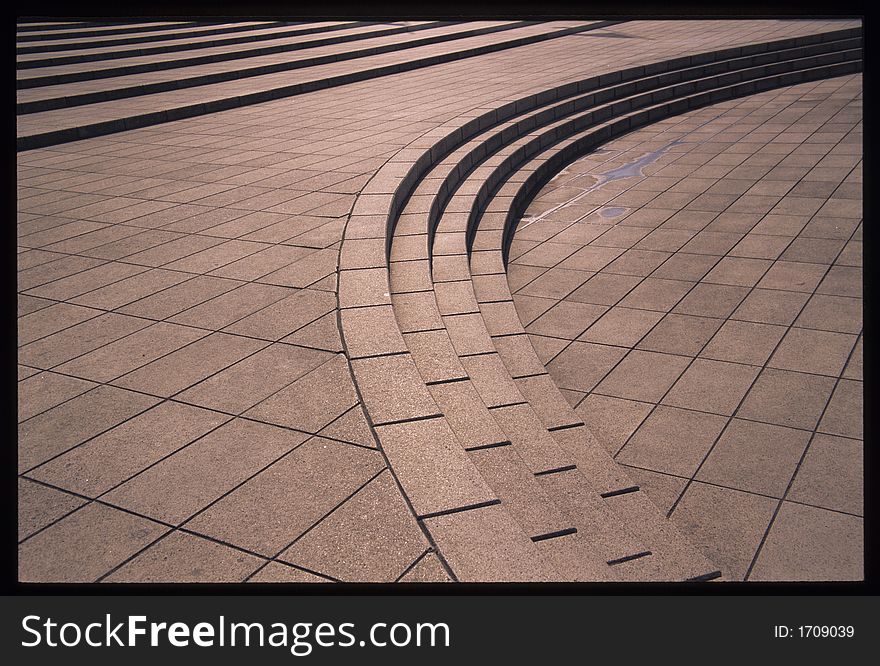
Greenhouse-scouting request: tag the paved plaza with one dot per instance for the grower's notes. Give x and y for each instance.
(423, 301)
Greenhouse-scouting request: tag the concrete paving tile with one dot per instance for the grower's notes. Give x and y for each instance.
(546, 348)
(672, 440)
(370, 538)
(612, 420)
(793, 276)
(130, 289)
(711, 300)
(29, 304)
(842, 281)
(517, 276)
(392, 388)
(185, 558)
(819, 352)
(491, 379)
(172, 250)
(831, 475)
(556, 283)
(455, 298)
(770, 307)
(593, 462)
(725, 525)
(604, 289)
(75, 421)
(787, 398)
(637, 262)
(351, 427)
(566, 320)
(222, 310)
(169, 302)
(434, 356)
(368, 286)
(598, 524)
(529, 308)
(468, 334)
(323, 333)
(491, 287)
(548, 401)
(78, 339)
(760, 246)
(51, 319)
(832, 313)
(371, 331)
(520, 493)
(362, 253)
(416, 312)
(530, 439)
(582, 365)
(126, 354)
(432, 466)
(621, 326)
(755, 457)
(85, 545)
(24, 372)
(656, 294)
(549, 254)
(712, 386)
(642, 375)
(737, 271)
(823, 226)
(427, 570)
(500, 318)
(311, 402)
(683, 266)
(111, 458)
(466, 414)
(662, 489)
(680, 334)
(39, 506)
(807, 543)
(306, 271)
(275, 572)
(262, 263)
(275, 507)
(285, 316)
(744, 342)
(518, 355)
(189, 365)
(246, 383)
(845, 412)
(854, 366)
(182, 484)
(814, 250)
(45, 390)
(487, 545)
(415, 275)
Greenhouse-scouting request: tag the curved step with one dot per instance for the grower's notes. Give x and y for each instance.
(489, 241)
(411, 203)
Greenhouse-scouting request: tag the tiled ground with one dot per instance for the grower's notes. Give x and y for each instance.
(186, 407)
(704, 317)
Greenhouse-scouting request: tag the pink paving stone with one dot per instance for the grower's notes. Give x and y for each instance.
(245, 196)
